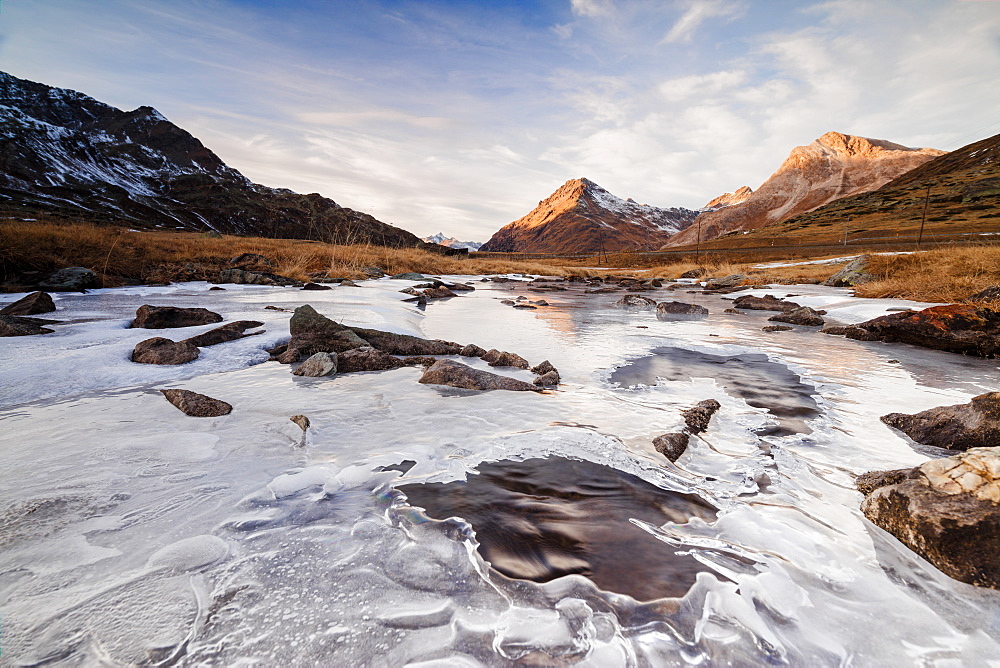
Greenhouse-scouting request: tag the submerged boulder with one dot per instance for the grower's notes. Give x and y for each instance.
(197, 405)
(957, 328)
(456, 374)
(765, 303)
(32, 304)
(14, 325)
(959, 427)
(168, 317)
(850, 332)
(159, 350)
(800, 316)
(698, 416)
(548, 379)
(228, 332)
(945, 510)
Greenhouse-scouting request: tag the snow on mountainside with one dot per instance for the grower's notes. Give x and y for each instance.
(834, 166)
(581, 216)
(451, 242)
(64, 152)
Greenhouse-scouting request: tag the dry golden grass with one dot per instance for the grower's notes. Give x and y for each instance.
(119, 255)
(942, 275)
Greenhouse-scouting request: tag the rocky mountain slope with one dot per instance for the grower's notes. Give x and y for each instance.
(65, 153)
(960, 191)
(583, 217)
(729, 199)
(834, 166)
(451, 242)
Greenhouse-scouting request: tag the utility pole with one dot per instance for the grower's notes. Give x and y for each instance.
(697, 248)
(923, 219)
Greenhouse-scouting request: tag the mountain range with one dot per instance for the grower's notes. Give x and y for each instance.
(834, 166)
(65, 153)
(581, 216)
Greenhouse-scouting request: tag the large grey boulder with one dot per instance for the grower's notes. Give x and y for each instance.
(959, 427)
(313, 332)
(32, 304)
(404, 344)
(730, 281)
(854, 273)
(71, 279)
(320, 364)
(945, 510)
(636, 301)
(456, 374)
(680, 308)
(244, 277)
(765, 303)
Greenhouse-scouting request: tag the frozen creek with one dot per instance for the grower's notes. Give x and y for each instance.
(133, 534)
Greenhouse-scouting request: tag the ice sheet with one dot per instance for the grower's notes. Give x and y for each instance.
(257, 547)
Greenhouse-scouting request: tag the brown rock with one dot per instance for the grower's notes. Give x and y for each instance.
(12, 325)
(419, 360)
(252, 260)
(946, 511)
(543, 368)
(318, 365)
(990, 294)
(730, 281)
(850, 332)
(765, 303)
(956, 328)
(496, 357)
(32, 304)
(289, 356)
(366, 359)
(680, 308)
(228, 332)
(672, 445)
(438, 293)
(698, 416)
(959, 427)
(456, 374)
(301, 420)
(549, 379)
(869, 482)
(404, 344)
(244, 277)
(776, 328)
(316, 286)
(733, 311)
(854, 273)
(800, 316)
(197, 405)
(159, 350)
(694, 273)
(166, 317)
(471, 350)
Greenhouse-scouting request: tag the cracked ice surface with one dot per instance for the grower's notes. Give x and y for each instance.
(132, 534)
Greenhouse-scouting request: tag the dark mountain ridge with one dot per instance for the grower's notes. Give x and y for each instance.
(65, 153)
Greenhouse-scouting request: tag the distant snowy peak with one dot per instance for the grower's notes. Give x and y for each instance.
(451, 242)
(581, 216)
(63, 151)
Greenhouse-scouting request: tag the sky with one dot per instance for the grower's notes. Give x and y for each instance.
(458, 116)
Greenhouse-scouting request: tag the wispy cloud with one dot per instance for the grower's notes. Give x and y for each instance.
(697, 12)
(592, 8)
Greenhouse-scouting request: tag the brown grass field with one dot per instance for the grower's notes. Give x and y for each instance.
(120, 256)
